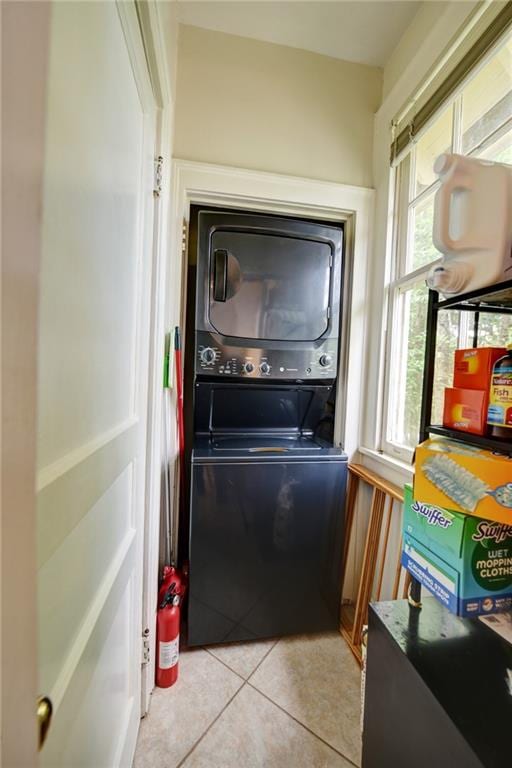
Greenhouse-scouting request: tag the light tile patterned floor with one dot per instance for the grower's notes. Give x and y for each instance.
(270, 704)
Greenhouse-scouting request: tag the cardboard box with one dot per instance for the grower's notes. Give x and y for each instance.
(466, 409)
(473, 367)
(464, 561)
(454, 475)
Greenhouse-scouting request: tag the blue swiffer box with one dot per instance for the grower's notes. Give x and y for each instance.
(464, 561)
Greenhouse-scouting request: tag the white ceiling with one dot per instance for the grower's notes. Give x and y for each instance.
(364, 32)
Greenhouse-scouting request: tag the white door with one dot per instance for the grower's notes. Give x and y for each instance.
(92, 382)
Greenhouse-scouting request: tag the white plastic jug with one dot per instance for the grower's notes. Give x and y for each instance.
(472, 224)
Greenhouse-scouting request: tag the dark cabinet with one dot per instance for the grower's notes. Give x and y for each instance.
(438, 690)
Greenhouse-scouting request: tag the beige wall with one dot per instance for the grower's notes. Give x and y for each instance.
(262, 106)
(404, 53)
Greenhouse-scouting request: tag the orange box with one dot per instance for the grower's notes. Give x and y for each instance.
(473, 367)
(466, 409)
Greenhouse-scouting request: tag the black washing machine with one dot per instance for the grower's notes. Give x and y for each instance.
(266, 538)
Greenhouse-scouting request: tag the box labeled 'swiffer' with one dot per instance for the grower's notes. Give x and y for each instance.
(464, 561)
(453, 475)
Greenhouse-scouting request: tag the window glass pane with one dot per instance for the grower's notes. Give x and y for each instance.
(487, 99)
(407, 376)
(499, 152)
(447, 343)
(493, 330)
(434, 142)
(422, 250)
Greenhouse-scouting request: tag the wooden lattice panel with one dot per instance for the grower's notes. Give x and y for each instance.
(386, 501)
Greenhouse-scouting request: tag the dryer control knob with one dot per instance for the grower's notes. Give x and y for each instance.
(325, 360)
(264, 367)
(207, 355)
(248, 367)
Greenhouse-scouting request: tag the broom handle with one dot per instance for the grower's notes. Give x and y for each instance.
(180, 416)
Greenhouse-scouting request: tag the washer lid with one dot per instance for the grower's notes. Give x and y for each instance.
(257, 448)
(264, 444)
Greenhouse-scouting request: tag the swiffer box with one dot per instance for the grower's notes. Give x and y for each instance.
(466, 409)
(453, 475)
(473, 367)
(464, 561)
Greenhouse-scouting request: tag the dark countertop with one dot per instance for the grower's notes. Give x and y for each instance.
(466, 666)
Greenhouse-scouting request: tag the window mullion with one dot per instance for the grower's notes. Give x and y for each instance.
(411, 180)
(457, 126)
(502, 130)
(402, 283)
(402, 242)
(465, 326)
(425, 193)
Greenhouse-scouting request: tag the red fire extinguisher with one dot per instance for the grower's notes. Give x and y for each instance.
(168, 638)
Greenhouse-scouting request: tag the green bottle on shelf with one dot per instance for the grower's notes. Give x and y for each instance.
(499, 415)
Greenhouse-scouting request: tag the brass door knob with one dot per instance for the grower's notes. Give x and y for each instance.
(44, 717)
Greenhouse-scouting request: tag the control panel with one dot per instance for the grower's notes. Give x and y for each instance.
(215, 359)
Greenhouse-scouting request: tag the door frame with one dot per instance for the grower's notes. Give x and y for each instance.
(142, 44)
(257, 190)
(151, 28)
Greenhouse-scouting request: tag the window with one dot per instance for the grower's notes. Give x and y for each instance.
(476, 122)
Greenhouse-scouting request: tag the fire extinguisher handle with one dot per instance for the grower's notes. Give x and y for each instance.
(171, 597)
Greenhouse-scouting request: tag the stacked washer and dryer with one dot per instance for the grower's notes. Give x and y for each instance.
(266, 483)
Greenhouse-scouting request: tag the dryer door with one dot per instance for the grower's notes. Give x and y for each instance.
(269, 286)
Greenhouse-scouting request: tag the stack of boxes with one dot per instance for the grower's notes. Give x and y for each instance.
(466, 403)
(458, 516)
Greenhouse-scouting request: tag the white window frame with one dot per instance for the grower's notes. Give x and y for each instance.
(402, 204)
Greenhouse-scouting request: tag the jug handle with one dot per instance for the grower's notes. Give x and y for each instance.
(442, 213)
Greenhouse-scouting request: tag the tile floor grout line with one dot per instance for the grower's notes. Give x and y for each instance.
(199, 740)
(245, 679)
(258, 665)
(224, 663)
(307, 728)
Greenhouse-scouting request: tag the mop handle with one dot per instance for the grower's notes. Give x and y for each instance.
(179, 392)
